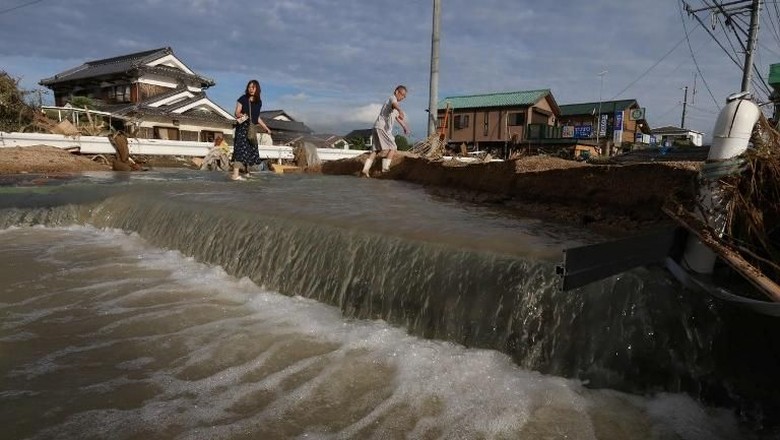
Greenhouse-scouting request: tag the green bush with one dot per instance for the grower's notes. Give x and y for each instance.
(357, 143)
(15, 113)
(402, 143)
(82, 102)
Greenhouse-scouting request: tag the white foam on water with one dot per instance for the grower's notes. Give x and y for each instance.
(219, 357)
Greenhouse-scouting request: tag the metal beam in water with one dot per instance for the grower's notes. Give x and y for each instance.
(586, 264)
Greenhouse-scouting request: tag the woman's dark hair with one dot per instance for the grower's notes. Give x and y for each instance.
(257, 89)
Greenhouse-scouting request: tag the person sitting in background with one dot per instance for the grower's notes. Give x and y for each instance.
(220, 143)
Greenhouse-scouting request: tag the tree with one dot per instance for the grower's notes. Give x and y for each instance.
(82, 102)
(15, 113)
(402, 142)
(357, 143)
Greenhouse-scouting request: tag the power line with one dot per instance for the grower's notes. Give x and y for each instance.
(703, 110)
(732, 20)
(775, 20)
(693, 56)
(3, 11)
(716, 40)
(767, 48)
(669, 111)
(653, 66)
(759, 83)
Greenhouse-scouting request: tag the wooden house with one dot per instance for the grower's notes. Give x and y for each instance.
(151, 94)
(499, 122)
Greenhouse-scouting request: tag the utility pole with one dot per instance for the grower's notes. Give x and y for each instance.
(747, 70)
(433, 91)
(598, 121)
(685, 104)
(735, 8)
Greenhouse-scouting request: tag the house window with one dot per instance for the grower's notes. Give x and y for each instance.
(485, 125)
(119, 93)
(209, 136)
(516, 119)
(166, 133)
(461, 121)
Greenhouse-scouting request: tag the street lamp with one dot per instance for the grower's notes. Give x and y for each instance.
(598, 121)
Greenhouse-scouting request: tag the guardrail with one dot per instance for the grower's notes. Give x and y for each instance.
(153, 147)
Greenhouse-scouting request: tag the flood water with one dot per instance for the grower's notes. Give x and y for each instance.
(181, 305)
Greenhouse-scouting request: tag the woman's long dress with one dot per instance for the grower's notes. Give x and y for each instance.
(243, 151)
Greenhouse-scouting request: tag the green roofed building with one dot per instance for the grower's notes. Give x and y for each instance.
(774, 75)
(531, 121)
(498, 122)
(774, 82)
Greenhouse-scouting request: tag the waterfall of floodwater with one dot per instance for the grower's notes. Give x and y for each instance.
(389, 256)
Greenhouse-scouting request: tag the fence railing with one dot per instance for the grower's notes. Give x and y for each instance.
(153, 147)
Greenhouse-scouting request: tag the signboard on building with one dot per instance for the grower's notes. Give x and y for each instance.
(617, 137)
(583, 131)
(637, 114)
(567, 131)
(603, 125)
(638, 136)
(618, 124)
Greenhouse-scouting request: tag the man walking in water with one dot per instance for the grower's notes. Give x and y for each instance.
(382, 135)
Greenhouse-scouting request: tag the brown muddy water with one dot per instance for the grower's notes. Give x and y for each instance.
(181, 305)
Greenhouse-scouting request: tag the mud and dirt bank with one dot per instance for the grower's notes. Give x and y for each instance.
(622, 198)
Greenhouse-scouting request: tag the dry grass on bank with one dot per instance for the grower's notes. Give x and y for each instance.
(42, 159)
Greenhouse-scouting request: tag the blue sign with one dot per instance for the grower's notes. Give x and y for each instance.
(583, 131)
(618, 124)
(653, 139)
(638, 136)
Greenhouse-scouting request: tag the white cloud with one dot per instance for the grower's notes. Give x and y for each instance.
(366, 114)
(326, 61)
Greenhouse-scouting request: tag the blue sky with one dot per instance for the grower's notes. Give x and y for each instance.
(331, 63)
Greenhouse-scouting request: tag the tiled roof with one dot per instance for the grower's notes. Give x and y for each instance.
(172, 72)
(143, 108)
(591, 108)
(121, 65)
(292, 126)
(670, 129)
(519, 98)
(269, 114)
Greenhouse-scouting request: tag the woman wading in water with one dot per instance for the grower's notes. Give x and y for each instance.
(247, 112)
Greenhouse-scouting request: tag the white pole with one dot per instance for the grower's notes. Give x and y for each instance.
(747, 70)
(598, 121)
(730, 138)
(433, 92)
